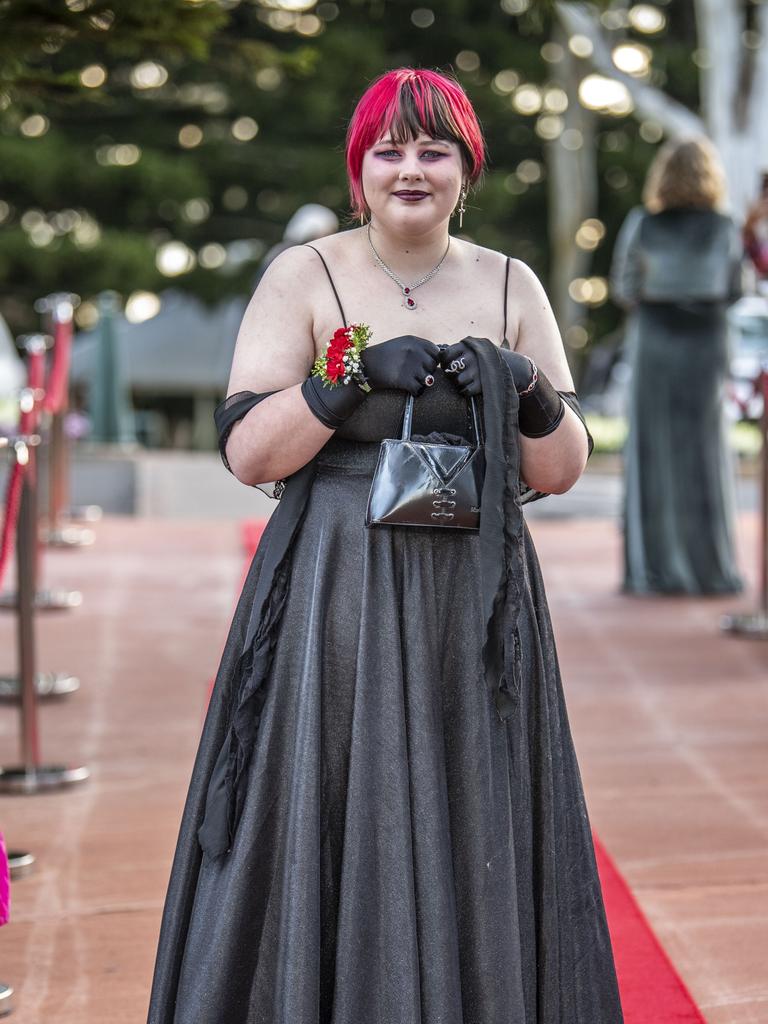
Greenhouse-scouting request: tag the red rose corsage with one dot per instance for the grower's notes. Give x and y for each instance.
(341, 363)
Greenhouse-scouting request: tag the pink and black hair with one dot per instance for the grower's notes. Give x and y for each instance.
(405, 103)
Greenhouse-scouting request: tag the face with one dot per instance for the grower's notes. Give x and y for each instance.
(412, 186)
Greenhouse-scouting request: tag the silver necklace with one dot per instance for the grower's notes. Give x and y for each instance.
(408, 300)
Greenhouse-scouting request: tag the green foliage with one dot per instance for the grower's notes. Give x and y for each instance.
(37, 35)
(297, 76)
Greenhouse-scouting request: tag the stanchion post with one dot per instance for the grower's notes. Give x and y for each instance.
(59, 309)
(44, 684)
(31, 775)
(35, 345)
(755, 624)
(26, 546)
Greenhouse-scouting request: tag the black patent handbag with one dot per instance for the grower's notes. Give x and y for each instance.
(417, 483)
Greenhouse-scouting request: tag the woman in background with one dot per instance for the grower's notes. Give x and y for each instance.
(676, 268)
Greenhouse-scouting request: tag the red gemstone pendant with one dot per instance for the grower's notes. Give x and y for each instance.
(410, 303)
(407, 291)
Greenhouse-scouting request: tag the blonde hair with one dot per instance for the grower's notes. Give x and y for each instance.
(685, 173)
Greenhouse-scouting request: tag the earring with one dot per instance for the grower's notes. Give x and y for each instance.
(462, 197)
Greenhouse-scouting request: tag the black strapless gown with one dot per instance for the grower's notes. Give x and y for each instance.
(403, 856)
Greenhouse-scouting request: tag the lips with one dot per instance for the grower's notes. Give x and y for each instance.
(411, 195)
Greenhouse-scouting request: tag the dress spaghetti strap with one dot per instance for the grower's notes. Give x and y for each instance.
(504, 342)
(338, 300)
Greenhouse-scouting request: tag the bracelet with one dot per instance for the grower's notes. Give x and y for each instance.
(534, 378)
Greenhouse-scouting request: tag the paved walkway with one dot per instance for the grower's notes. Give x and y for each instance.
(670, 719)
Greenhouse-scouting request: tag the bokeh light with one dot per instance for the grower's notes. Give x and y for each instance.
(244, 129)
(148, 75)
(93, 76)
(590, 234)
(34, 126)
(555, 100)
(530, 171)
(632, 58)
(580, 46)
(596, 92)
(467, 60)
(527, 99)
(142, 306)
(647, 18)
(589, 291)
(190, 135)
(422, 17)
(549, 127)
(175, 258)
(552, 53)
(506, 81)
(211, 256)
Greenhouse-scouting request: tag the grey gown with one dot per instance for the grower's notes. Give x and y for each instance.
(403, 852)
(676, 271)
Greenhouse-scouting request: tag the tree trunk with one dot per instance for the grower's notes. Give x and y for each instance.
(572, 175)
(733, 87)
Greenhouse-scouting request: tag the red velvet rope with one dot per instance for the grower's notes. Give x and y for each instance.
(11, 517)
(58, 379)
(28, 423)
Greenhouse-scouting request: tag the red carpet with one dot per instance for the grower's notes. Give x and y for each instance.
(652, 992)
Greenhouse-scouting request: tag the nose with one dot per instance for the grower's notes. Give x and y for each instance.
(411, 170)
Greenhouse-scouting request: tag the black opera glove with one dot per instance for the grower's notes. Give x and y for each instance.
(541, 407)
(404, 363)
(332, 405)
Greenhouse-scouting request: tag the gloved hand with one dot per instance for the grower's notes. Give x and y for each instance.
(403, 363)
(467, 378)
(541, 407)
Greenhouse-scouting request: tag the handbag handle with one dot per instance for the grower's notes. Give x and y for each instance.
(408, 419)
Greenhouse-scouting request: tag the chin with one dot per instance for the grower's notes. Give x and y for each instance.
(415, 219)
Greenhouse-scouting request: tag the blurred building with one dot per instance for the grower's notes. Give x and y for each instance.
(174, 365)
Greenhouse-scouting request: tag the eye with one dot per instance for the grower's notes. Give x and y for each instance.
(388, 152)
(433, 153)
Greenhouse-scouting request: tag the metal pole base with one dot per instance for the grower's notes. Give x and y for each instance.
(749, 624)
(85, 513)
(45, 600)
(68, 537)
(6, 1000)
(20, 864)
(15, 779)
(47, 684)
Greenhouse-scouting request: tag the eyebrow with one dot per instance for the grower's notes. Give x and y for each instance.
(428, 141)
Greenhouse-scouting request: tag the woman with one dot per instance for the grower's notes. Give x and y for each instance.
(676, 267)
(385, 822)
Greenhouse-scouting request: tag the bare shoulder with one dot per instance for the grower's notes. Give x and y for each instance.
(334, 248)
(297, 259)
(274, 346)
(488, 262)
(291, 280)
(524, 282)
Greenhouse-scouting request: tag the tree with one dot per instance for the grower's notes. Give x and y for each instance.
(733, 84)
(109, 158)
